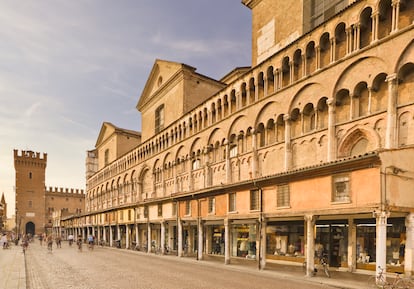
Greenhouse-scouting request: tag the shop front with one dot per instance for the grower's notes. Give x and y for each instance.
(285, 241)
(395, 244)
(331, 240)
(244, 241)
(215, 236)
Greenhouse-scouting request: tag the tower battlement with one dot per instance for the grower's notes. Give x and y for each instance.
(31, 156)
(56, 190)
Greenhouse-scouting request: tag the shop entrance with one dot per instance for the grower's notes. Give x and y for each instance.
(332, 240)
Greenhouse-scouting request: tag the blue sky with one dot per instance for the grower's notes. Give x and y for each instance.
(68, 66)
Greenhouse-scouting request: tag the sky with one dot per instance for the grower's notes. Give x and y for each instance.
(68, 66)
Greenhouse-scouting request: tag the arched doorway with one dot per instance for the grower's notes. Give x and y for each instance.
(30, 228)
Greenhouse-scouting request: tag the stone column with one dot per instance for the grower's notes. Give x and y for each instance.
(137, 235)
(391, 112)
(331, 130)
(254, 150)
(369, 100)
(262, 248)
(348, 32)
(318, 57)
(375, 20)
(226, 241)
(310, 245)
(180, 238)
(200, 240)
(357, 36)
(333, 50)
(149, 244)
(127, 237)
(381, 239)
(304, 64)
(162, 245)
(395, 15)
(409, 245)
(228, 163)
(288, 145)
(352, 257)
(118, 232)
(110, 236)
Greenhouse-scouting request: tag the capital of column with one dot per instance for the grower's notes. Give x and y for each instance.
(409, 220)
(381, 216)
(310, 218)
(391, 77)
(286, 117)
(330, 102)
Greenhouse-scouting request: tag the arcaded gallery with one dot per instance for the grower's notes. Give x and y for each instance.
(307, 150)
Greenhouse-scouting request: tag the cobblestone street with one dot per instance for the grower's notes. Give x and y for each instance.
(112, 268)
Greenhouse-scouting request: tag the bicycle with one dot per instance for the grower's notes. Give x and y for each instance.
(323, 261)
(380, 281)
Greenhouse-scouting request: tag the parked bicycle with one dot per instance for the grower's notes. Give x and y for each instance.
(322, 263)
(380, 281)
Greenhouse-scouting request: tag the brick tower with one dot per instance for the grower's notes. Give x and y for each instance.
(30, 168)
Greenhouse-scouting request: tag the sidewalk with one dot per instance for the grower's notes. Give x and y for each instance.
(12, 268)
(339, 279)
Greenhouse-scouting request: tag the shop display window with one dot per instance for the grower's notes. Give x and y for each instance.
(216, 240)
(395, 244)
(285, 240)
(332, 241)
(244, 241)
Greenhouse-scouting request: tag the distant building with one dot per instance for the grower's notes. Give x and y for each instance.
(35, 203)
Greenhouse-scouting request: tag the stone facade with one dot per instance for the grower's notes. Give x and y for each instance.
(309, 149)
(35, 203)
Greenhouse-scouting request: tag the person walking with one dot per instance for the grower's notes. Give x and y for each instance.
(49, 240)
(58, 241)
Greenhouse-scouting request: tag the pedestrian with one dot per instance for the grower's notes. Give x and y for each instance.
(49, 240)
(4, 241)
(70, 239)
(41, 239)
(58, 242)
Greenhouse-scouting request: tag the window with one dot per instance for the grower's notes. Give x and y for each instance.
(129, 215)
(159, 118)
(174, 209)
(145, 212)
(106, 160)
(30, 204)
(254, 200)
(159, 210)
(340, 188)
(196, 164)
(30, 175)
(187, 208)
(232, 202)
(283, 196)
(211, 205)
(233, 151)
(321, 10)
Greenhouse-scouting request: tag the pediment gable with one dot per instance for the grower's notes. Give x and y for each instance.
(107, 130)
(162, 72)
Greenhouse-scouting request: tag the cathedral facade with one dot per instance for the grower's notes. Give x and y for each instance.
(310, 147)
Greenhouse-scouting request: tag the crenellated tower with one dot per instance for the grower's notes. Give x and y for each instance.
(30, 169)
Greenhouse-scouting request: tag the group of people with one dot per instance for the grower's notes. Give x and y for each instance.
(25, 239)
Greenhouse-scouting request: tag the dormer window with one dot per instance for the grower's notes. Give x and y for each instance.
(159, 118)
